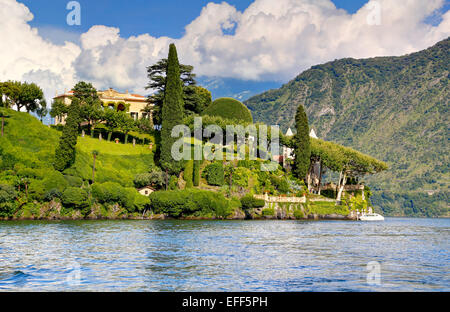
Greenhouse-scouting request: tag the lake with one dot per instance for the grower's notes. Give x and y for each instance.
(403, 254)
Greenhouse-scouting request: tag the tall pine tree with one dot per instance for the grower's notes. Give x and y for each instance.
(302, 144)
(172, 112)
(65, 151)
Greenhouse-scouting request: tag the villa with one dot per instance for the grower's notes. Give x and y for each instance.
(133, 104)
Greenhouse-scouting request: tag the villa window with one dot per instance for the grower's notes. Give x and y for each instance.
(134, 116)
(144, 116)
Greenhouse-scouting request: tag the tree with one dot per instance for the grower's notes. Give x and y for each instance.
(65, 152)
(196, 99)
(188, 173)
(94, 154)
(302, 144)
(42, 111)
(157, 74)
(172, 112)
(91, 109)
(197, 164)
(3, 115)
(112, 121)
(23, 95)
(85, 92)
(59, 109)
(126, 124)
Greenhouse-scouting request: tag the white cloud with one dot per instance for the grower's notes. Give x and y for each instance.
(270, 40)
(24, 54)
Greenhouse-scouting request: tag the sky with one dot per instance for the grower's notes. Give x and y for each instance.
(237, 48)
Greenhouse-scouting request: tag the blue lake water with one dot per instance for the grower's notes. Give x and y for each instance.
(412, 254)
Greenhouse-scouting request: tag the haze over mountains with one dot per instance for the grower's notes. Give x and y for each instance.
(393, 108)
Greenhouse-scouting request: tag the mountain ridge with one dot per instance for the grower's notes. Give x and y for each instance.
(393, 108)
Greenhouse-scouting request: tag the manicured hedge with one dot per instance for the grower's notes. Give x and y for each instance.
(229, 108)
(182, 203)
(248, 201)
(188, 172)
(74, 197)
(214, 174)
(197, 164)
(114, 193)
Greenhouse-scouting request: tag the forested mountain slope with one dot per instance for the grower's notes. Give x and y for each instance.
(393, 108)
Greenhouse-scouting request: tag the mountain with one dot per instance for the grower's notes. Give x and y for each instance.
(393, 108)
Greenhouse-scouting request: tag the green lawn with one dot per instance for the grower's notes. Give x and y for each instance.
(88, 144)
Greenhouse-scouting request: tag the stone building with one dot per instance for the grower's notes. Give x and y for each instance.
(133, 104)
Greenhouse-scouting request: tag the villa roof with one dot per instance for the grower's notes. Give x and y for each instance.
(111, 94)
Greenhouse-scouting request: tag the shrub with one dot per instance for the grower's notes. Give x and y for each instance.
(173, 183)
(56, 180)
(298, 214)
(154, 178)
(214, 174)
(74, 197)
(197, 164)
(73, 181)
(52, 194)
(268, 212)
(248, 201)
(7, 193)
(230, 109)
(114, 193)
(190, 202)
(141, 202)
(188, 173)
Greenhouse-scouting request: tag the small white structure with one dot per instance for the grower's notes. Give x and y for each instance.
(288, 153)
(312, 134)
(146, 191)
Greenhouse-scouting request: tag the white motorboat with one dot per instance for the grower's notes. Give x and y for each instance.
(371, 217)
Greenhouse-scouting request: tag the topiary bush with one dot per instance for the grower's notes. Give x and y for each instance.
(229, 108)
(188, 173)
(214, 174)
(197, 164)
(248, 202)
(188, 202)
(74, 197)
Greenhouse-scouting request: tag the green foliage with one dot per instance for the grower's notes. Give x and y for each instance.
(302, 145)
(172, 112)
(155, 178)
(248, 202)
(114, 193)
(188, 173)
(392, 108)
(74, 197)
(194, 97)
(173, 183)
(268, 212)
(22, 95)
(214, 174)
(298, 214)
(65, 152)
(197, 165)
(190, 202)
(229, 108)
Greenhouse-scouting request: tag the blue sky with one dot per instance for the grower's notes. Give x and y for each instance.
(235, 51)
(134, 17)
(158, 18)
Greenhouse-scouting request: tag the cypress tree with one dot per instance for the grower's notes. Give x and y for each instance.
(65, 151)
(188, 172)
(302, 144)
(197, 164)
(172, 112)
